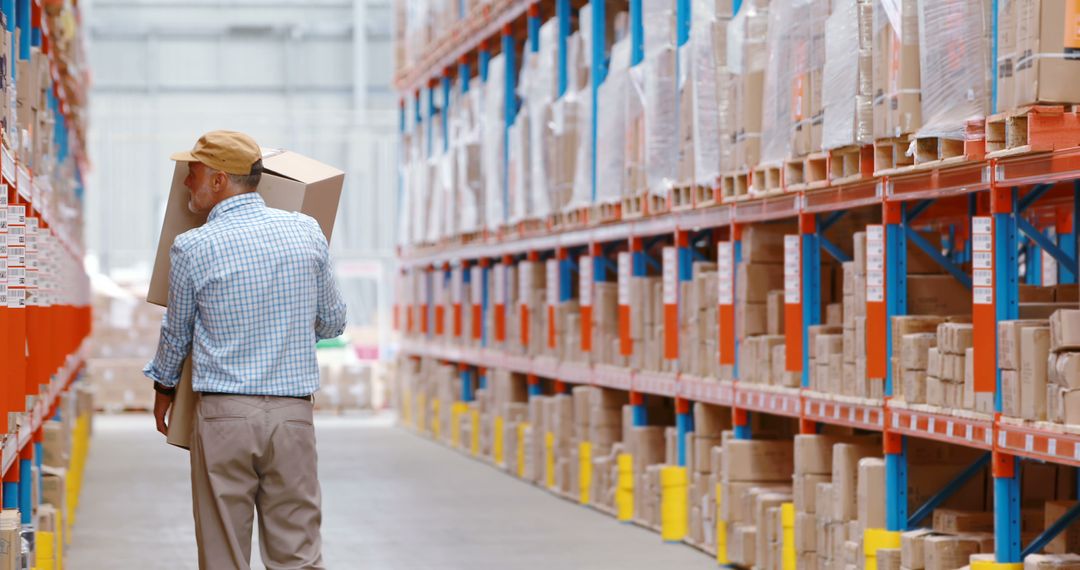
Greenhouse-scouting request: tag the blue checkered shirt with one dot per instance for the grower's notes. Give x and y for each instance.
(250, 293)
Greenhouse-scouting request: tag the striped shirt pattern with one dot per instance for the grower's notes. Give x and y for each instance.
(251, 292)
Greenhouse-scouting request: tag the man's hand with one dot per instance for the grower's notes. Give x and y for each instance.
(162, 403)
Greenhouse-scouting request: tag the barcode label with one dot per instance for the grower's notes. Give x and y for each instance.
(553, 284)
(725, 263)
(585, 280)
(671, 275)
(624, 278)
(792, 270)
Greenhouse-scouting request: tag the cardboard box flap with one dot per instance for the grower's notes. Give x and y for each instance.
(297, 167)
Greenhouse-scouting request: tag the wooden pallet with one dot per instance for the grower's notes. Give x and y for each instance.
(530, 226)
(767, 180)
(572, 218)
(705, 196)
(681, 197)
(794, 171)
(816, 170)
(940, 152)
(850, 164)
(735, 186)
(605, 213)
(633, 206)
(890, 155)
(1035, 128)
(474, 237)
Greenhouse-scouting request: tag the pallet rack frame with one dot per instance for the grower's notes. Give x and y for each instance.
(903, 197)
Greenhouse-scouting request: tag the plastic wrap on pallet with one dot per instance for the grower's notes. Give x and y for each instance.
(698, 74)
(954, 65)
(896, 76)
(405, 204)
(466, 148)
(848, 92)
(582, 190)
(540, 92)
(656, 93)
(787, 113)
(611, 126)
(493, 132)
(518, 179)
(747, 58)
(567, 128)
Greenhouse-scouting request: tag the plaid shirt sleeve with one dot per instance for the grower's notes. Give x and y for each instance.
(177, 327)
(330, 313)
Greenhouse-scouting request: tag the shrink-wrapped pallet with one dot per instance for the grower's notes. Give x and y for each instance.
(848, 87)
(493, 144)
(611, 126)
(954, 65)
(650, 106)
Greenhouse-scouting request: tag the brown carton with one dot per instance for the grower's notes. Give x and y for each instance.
(912, 548)
(1009, 341)
(1064, 370)
(1010, 393)
(915, 348)
(1068, 541)
(758, 460)
(1043, 65)
(951, 521)
(804, 491)
(937, 295)
(871, 487)
(888, 559)
(1034, 351)
(845, 473)
(1065, 329)
(949, 552)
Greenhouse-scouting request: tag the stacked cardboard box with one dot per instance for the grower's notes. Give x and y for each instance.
(1023, 389)
(917, 350)
(813, 466)
(955, 341)
(854, 379)
(826, 358)
(1026, 31)
(704, 454)
(759, 282)
(902, 327)
(848, 89)
(1052, 562)
(749, 31)
(896, 80)
(755, 476)
(1063, 390)
(648, 446)
(647, 324)
(698, 332)
(605, 324)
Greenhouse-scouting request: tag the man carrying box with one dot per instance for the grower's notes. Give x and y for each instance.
(250, 293)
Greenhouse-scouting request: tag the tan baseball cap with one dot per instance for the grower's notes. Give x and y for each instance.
(228, 151)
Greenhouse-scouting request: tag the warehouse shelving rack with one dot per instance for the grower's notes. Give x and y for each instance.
(46, 317)
(985, 206)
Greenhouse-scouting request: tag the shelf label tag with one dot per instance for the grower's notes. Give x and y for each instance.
(875, 264)
(551, 268)
(525, 281)
(476, 284)
(500, 284)
(671, 275)
(457, 285)
(624, 278)
(585, 280)
(792, 269)
(725, 263)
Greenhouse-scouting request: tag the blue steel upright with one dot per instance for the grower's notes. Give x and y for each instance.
(1007, 546)
(510, 113)
(896, 464)
(599, 73)
(743, 431)
(811, 295)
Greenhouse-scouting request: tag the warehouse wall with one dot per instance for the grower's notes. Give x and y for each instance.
(312, 76)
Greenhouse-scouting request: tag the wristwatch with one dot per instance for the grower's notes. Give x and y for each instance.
(163, 389)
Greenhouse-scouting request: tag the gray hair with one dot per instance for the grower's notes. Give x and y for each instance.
(250, 180)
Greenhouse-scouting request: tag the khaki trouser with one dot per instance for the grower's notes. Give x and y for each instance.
(255, 452)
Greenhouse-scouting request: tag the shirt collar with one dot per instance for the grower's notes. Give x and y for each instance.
(244, 200)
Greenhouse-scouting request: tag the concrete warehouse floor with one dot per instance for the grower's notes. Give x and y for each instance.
(391, 500)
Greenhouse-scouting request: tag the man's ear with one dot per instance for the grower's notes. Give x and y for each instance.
(221, 180)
